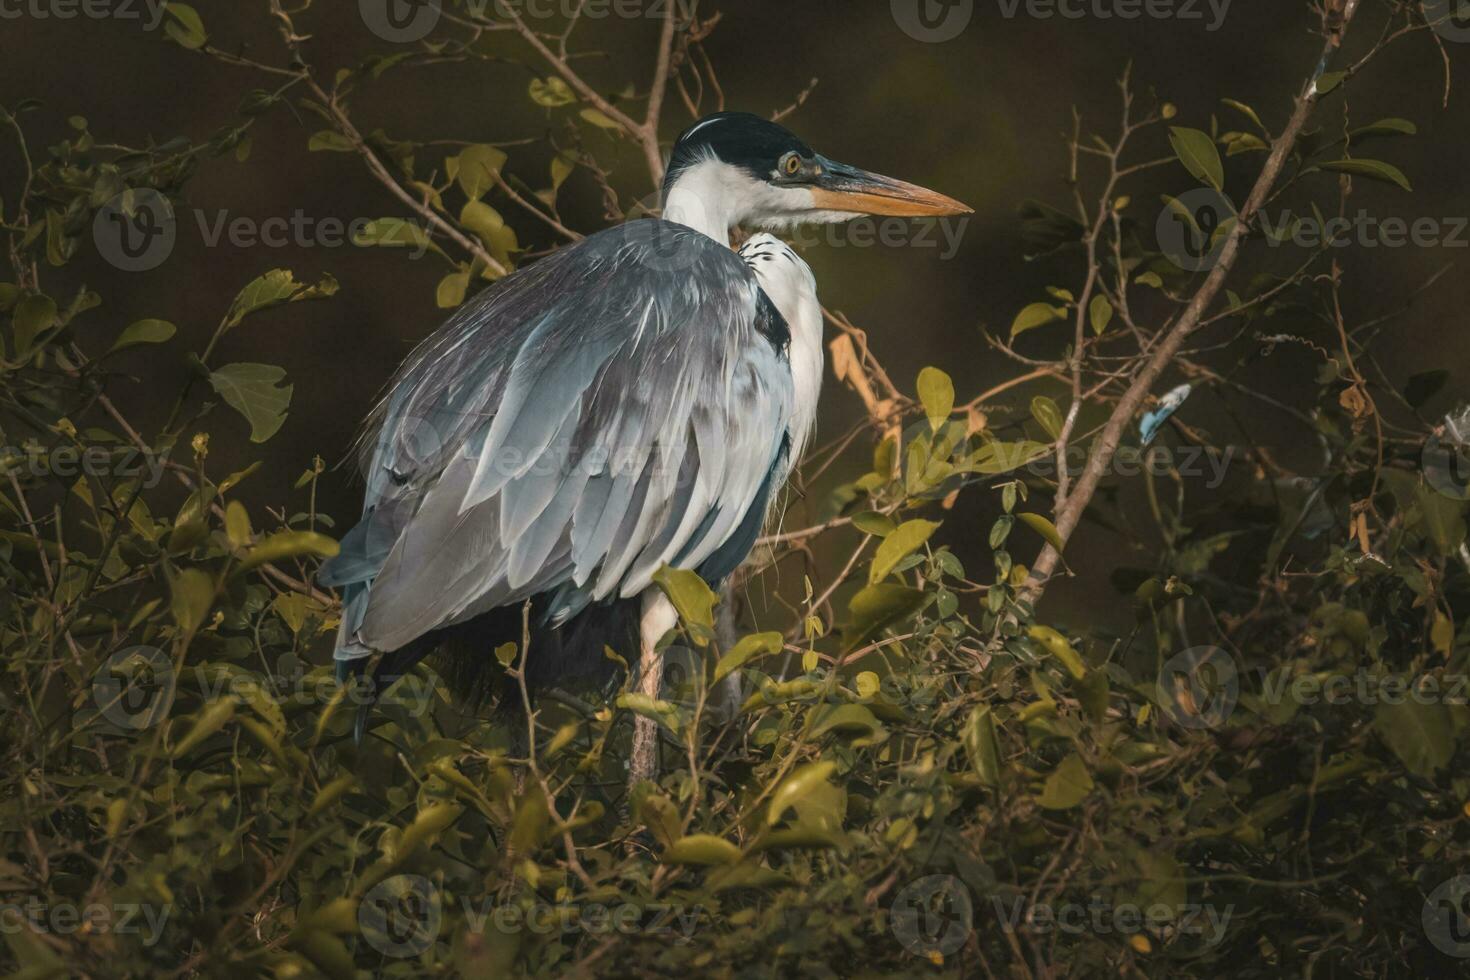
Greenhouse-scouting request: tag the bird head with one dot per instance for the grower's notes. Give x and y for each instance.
(734, 168)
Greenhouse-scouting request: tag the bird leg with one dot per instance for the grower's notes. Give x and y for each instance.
(658, 618)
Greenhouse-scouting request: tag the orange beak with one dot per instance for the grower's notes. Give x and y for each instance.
(839, 187)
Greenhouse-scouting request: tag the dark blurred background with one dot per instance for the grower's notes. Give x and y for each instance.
(983, 117)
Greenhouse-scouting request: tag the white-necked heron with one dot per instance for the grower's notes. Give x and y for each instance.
(634, 399)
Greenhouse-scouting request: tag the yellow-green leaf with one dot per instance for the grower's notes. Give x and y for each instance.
(1067, 786)
(1374, 169)
(936, 394)
(237, 524)
(1036, 315)
(476, 167)
(691, 596)
(805, 780)
(748, 648)
(211, 718)
(907, 538)
(143, 332)
(193, 593)
(289, 544)
(982, 746)
(1100, 314)
(1056, 644)
(1045, 528)
(256, 392)
(701, 849)
(1197, 151)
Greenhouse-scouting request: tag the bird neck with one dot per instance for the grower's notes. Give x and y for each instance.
(704, 197)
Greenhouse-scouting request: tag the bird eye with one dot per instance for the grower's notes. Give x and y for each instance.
(791, 164)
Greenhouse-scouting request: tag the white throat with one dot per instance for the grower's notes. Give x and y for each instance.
(712, 197)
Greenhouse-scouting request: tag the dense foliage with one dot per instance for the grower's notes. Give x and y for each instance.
(922, 773)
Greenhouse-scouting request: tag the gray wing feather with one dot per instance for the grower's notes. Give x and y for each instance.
(584, 422)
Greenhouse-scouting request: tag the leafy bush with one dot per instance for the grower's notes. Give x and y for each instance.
(920, 774)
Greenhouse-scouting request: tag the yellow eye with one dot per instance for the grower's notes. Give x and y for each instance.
(791, 164)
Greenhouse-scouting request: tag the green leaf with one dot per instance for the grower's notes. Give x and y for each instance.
(936, 394)
(451, 290)
(256, 392)
(1046, 413)
(982, 746)
(807, 779)
(1045, 528)
(1372, 169)
(701, 849)
(1246, 111)
(907, 538)
(193, 592)
(490, 227)
(184, 25)
(237, 524)
(1385, 127)
(748, 648)
(599, 119)
(288, 544)
(874, 523)
(1328, 81)
(1056, 644)
(33, 316)
(848, 719)
(329, 140)
(390, 233)
(272, 289)
(211, 718)
(1036, 315)
(143, 332)
(1421, 735)
(1199, 155)
(663, 712)
(1067, 786)
(879, 606)
(1100, 314)
(691, 596)
(561, 169)
(659, 815)
(476, 167)
(1160, 885)
(1443, 519)
(551, 93)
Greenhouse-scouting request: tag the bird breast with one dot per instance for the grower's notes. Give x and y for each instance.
(792, 289)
